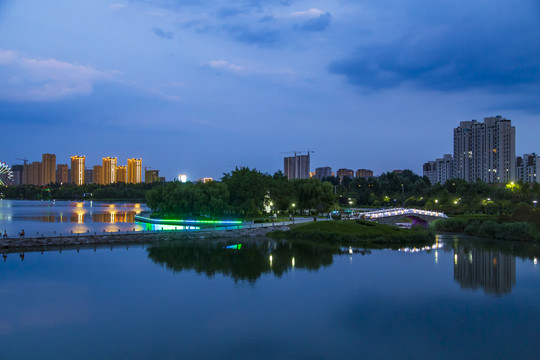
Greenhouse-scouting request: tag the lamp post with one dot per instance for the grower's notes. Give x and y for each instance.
(535, 202)
(272, 212)
(294, 211)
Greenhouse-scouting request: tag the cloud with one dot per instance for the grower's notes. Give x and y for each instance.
(311, 13)
(318, 23)
(27, 79)
(262, 36)
(162, 33)
(224, 65)
(117, 6)
(448, 51)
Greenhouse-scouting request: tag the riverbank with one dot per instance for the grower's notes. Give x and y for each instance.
(46, 243)
(355, 232)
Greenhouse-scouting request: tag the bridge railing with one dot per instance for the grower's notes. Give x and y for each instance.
(378, 214)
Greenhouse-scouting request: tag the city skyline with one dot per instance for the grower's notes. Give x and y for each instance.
(200, 89)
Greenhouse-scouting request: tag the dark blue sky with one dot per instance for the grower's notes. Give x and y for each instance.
(199, 87)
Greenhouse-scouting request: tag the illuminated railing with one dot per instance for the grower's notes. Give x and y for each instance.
(185, 221)
(378, 214)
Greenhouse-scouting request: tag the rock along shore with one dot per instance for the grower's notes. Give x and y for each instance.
(44, 243)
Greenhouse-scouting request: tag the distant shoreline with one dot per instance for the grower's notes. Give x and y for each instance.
(73, 241)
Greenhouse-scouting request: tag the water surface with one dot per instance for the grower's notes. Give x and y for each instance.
(266, 300)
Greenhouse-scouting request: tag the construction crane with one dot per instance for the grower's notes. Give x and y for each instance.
(297, 152)
(25, 160)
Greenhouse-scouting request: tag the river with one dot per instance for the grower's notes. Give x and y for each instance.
(464, 298)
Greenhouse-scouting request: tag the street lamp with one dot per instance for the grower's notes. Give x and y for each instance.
(535, 202)
(294, 211)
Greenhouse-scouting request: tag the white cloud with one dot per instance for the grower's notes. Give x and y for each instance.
(7, 56)
(311, 13)
(27, 79)
(222, 64)
(117, 6)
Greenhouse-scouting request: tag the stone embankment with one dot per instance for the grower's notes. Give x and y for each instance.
(84, 240)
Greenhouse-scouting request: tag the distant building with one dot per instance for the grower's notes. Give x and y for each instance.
(62, 174)
(343, 173)
(108, 171)
(98, 174)
(77, 170)
(323, 172)
(34, 173)
(205, 180)
(485, 151)
(17, 174)
(297, 166)
(528, 168)
(121, 173)
(430, 171)
(364, 173)
(182, 178)
(440, 170)
(88, 176)
(48, 169)
(134, 171)
(151, 176)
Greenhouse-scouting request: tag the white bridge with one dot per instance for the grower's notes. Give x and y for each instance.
(393, 216)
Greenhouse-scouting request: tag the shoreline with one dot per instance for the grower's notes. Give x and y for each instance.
(46, 243)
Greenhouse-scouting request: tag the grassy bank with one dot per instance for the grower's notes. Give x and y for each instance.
(488, 227)
(355, 232)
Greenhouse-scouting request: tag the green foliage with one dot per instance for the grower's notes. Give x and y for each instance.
(486, 228)
(357, 232)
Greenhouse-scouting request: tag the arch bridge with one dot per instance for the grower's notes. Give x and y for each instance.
(394, 216)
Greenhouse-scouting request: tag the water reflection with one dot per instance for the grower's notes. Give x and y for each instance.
(248, 261)
(491, 270)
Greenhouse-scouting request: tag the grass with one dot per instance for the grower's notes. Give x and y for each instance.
(354, 232)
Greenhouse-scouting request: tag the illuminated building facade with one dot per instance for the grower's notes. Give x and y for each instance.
(342, 173)
(62, 174)
(134, 171)
(205, 180)
(33, 173)
(182, 178)
(97, 174)
(121, 173)
(528, 168)
(108, 171)
(364, 173)
(77, 169)
(485, 151)
(48, 169)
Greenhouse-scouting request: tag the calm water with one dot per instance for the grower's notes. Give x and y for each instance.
(65, 217)
(266, 300)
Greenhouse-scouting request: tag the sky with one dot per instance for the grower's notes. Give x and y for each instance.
(202, 87)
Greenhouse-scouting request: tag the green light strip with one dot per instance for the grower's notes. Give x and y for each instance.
(173, 222)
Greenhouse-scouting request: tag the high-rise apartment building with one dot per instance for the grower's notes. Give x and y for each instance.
(151, 176)
(134, 171)
(97, 175)
(48, 168)
(34, 173)
(62, 174)
(365, 173)
(17, 174)
(77, 169)
(528, 168)
(323, 172)
(342, 173)
(88, 176)
(440, 170)
(297, 166)
(108, 171)
(430, 171)
(121, 173)
(485, 151)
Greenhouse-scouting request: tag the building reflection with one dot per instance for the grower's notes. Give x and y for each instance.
(491, 270)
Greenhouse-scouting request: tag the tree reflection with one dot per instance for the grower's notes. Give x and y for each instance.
(247, 263)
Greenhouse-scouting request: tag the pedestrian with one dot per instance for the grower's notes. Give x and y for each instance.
(4, 236)
(22, 233)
